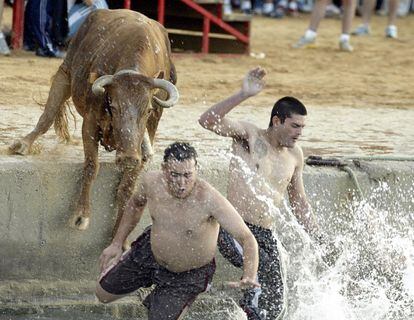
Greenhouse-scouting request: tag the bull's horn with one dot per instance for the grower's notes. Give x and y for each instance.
(126, 71)
(172, 91)
(98, 85)
(146, 147)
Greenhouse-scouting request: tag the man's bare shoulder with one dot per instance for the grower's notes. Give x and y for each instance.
(205, 191)
(252, 131)
(203, 186)
(297, 153)
(151, 177)
(250, 127)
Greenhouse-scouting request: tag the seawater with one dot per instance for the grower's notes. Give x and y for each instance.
(365, 271)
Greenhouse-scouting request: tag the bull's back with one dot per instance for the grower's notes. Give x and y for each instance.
(114, 31)
(110, 40)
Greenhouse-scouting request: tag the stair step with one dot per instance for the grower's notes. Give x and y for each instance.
(200, 34)
(209, 1)
(179, 16)
(206, 307)
(237, 17)
(178, 9)
(181, 42)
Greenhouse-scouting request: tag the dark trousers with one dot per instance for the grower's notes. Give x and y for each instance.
(45, 24)
(266, 302)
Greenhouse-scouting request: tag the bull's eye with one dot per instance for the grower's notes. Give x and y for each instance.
(114, 110)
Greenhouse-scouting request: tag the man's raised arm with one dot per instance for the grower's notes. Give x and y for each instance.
(214, 118)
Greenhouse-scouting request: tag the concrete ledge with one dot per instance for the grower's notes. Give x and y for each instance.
(39, 250)
(75, 300)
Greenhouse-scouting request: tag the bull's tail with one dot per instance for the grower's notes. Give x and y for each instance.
(61, 122)
(58, 101)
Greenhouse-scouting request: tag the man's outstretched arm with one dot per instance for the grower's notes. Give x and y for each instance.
(214, 118)
(231, 221)
(299, 202)
(132, 214)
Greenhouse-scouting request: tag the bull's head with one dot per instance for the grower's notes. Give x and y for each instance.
(131, 95)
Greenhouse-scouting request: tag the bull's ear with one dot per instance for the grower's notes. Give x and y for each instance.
(92, 77)
(159, 75)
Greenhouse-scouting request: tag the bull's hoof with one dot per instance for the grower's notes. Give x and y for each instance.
(79, 222)
(19, 147)
(146, 157)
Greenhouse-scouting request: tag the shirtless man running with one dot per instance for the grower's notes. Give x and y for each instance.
(176, 254)
(265, 164)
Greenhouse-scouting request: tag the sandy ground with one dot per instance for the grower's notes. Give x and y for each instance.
(378, 75)
(380, 71)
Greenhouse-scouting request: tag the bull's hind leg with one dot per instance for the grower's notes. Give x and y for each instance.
(81, 218)
(58, 94)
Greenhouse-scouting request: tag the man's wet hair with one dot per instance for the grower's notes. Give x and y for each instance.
(285, 107)
(180, 151)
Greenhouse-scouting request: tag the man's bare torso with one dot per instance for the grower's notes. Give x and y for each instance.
(259, 176)
(183, 234)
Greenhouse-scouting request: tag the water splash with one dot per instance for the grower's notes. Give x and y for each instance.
(372, 274)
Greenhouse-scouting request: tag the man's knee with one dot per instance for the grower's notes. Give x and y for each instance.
(104, 296)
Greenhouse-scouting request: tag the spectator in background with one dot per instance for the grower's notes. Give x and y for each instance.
(317, 15)
(227, 7)
(50, 23)
(268, 8)
(332, 10)
(244, 5)
(79, 10)
(285, 7)
(4, 48)
(367, 9)
(38, 22)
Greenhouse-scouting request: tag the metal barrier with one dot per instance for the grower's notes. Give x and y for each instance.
(18, 23)
(341, 165)
(209, 17)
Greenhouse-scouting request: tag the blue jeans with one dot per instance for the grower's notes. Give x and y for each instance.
(37, 25)
(79, 12)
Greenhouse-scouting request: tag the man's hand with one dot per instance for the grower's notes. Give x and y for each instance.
(244, 283)
(111, 255)
(253, 82)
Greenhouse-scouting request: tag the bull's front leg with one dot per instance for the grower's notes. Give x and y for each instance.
(131, 169)
(81, 218)
(55, 106)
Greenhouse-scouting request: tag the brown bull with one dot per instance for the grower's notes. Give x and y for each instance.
(119, 73)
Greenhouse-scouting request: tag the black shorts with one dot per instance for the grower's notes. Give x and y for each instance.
(173, 292)
(259, 303)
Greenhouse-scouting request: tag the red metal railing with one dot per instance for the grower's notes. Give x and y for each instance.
(161, 9)
(127, 4)
(18, 22)
(208, 17)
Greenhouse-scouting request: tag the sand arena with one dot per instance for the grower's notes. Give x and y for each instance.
(359, 104)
